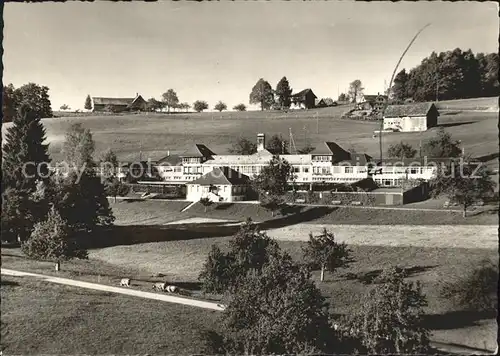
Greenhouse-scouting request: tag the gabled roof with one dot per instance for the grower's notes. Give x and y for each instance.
(222, 176)
(373, 98)
(330, 148)
(317, 101)
(198, 150)
(303, 93)
(112, 101)
(417, 109)
(328, 101)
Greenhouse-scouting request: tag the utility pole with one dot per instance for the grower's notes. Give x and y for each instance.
(317, 123)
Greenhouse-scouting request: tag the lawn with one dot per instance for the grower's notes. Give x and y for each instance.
(155, 134)
(42, 318)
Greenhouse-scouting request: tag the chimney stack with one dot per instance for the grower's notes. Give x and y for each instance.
(261, 142)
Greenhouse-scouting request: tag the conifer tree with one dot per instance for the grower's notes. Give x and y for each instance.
(88, 103)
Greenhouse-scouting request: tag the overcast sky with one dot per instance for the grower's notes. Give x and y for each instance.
(218, 50)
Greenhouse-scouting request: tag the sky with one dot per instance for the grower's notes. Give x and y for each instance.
(218, 50)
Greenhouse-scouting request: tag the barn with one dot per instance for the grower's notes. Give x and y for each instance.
(411, 117)
(304, 99)
(119, 104)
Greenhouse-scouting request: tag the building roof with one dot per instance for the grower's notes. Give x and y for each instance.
(112, 101)
(328, 101)
(417, 109)
(198, 150)
(417, 161)
(373, 98)
(170, 160)
(303, 93)
(222, 176)
(317, 101)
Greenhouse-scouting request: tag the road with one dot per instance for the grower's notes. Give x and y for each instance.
(451, 348)
(119, 290)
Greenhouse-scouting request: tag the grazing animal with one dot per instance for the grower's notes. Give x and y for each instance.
(172, 289)
(160, 286)
(125, 282)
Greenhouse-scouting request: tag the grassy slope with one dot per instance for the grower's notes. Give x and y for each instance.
(43, 318)
(181, 260)
(154, 134)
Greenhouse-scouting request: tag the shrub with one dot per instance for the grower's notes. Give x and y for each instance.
(477, 291)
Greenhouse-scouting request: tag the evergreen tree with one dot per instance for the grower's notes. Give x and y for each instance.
(25, 156)
(88, 103)
(262, 93)
(284, 93)
(399, 89)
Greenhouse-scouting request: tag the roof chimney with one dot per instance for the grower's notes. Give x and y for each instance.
(261, 142)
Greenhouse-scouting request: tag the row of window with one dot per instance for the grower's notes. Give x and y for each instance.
(191, 160)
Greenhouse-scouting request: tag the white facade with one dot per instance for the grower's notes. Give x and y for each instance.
(216, 193)
(406, 123)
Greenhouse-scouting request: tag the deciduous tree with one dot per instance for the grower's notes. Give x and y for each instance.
(355, 90)
(442, 146)
(200, 105)
(10, 103)
(401, 150)
(154, 105)
(240, 107)
(277, 145)
(64, 107)
(113, 187)
(170, 98)
(220, 106)
(243, 147)
(37, 97)
(78, 147)
(324, 252)
(262, 94)
(390, 319)
(206, 202)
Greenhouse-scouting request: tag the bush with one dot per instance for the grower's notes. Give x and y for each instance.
(477, 291)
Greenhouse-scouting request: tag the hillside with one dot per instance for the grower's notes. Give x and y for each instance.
(154, 134)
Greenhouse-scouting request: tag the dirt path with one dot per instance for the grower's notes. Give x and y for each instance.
(119, 290)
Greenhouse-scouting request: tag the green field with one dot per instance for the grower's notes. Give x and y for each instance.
(154, 134)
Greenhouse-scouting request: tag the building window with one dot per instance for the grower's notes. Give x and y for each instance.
(387, 182)
(414, 170)
(306, 169)
(296, 169)
(349, 170)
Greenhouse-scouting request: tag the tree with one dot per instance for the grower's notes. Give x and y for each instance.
(240, 107)
(78, 147)
(355, 90)
(343, 97)
(37, 97)
(52, 240)
(115, 188)
(275, 310)
(80, 196)
(271, 202)
(184, 106)
(88, 103)
(465, 185)
(390, 320)
(399, 89)
(206, 202)
(10, 103)
(64, 107)
(17, 215)
(276, 145)
(200, 105)
(284, 93)
(401, 150)
(111, 108)
(220, 106)
(273, 178)
(154, 105)
(108, 163)
(170, 98)
(323, 251)
(248, 250)
(25, 156)
(243, 147)
(262, 94)
(442, 146)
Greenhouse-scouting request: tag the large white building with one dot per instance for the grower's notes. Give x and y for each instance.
(328, 163)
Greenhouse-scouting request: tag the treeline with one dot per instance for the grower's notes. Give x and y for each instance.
(36, 96)
(449, 75)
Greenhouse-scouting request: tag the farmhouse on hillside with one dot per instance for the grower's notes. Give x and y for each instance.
(325, 102)
(410, 117)
(377, 102)
(119, 104)
(304, 99)
(222, 184)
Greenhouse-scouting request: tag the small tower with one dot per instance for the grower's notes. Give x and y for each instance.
(261, 142)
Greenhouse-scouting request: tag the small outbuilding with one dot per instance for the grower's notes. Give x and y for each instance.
(411, 117)
(220, 185)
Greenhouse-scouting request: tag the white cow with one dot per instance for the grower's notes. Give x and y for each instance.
(172, 289)
(160, 286)
(125, 282)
